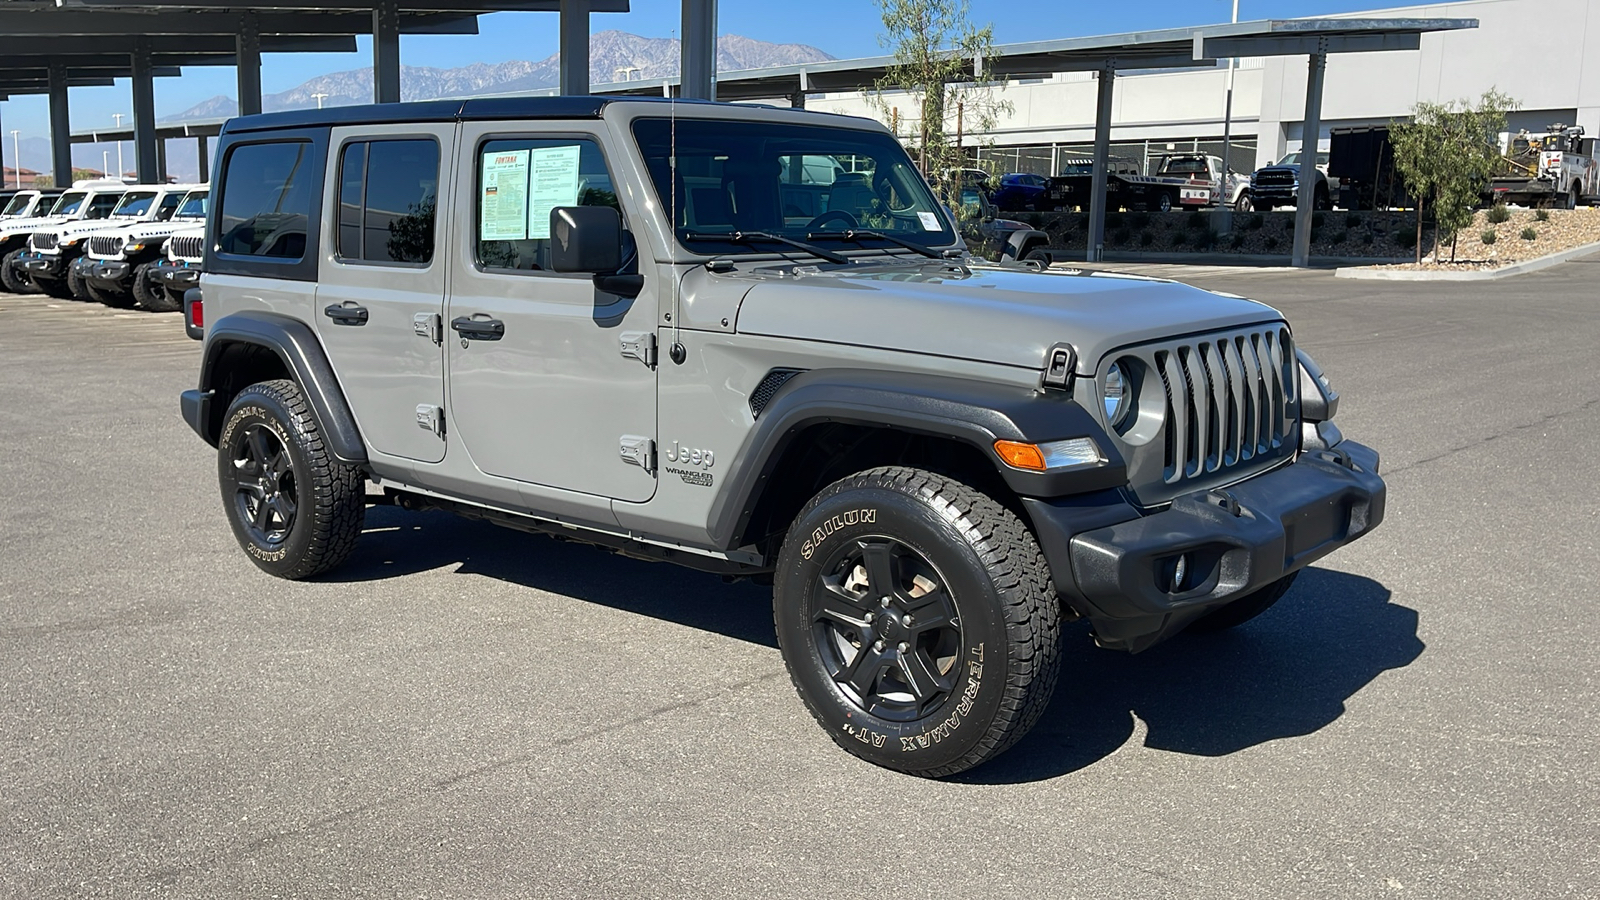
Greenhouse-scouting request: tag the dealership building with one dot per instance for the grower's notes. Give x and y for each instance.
(1544, 54)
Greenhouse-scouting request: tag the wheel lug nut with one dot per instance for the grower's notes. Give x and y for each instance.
(870, 617)
(878, 646)
(907, 621)
(884, 602)
(904, 646)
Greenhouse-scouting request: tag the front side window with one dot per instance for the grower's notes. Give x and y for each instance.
(266, 200)
(169, 205)
(102, 205)
(388, 194)
(734, 176)
(68, 203)
(519, 181)
(136, 203)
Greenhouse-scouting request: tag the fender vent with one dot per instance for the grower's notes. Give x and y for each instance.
(769, 387)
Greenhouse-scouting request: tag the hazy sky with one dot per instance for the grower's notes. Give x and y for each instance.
(844, 28)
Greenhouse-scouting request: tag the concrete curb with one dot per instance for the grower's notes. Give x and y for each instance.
(1241, 260)
(1532, 265)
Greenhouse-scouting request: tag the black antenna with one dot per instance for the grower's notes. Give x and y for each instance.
(677, 351)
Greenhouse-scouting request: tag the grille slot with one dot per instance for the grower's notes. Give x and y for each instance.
(105, 245)
(1230, 408)
(43, 240)
(188, 246)
(769, 387)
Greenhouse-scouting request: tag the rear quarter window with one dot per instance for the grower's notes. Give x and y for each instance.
(266, 200)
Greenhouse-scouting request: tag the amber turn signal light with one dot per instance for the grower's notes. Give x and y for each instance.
(1020, 456)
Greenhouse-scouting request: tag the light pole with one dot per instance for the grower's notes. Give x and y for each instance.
(120, 169)
(1225, 197)
(16, 156)
(105, 160)
(319, 99)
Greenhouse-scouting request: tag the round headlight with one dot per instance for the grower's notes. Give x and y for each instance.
(1115, 393)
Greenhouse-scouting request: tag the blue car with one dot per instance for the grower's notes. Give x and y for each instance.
(1020, 191)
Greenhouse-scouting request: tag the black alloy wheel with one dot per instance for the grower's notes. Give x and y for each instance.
(887, 628)
(265, 494)
(12, 278)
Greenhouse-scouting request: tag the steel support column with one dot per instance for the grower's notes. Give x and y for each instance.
(60, 126)
(386, 52)
(1309, 131)
(247, 55)
(145, 162)
(203, 154)
(574, 47)
(161, 161)
(1102, 161)
(699, 65)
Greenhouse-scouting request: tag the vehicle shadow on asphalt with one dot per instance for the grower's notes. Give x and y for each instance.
(1284, 674)
(401, 543)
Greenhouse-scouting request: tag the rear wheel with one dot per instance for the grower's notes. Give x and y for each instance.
(1164, 202)
(12, 278)
(917, 620)
(295, 510)
(152, 296)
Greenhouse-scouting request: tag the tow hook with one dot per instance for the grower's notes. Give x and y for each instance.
(1227, 501)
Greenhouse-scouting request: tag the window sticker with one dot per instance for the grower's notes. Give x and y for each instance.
(555, 183)
(930, 222)
(504, 204)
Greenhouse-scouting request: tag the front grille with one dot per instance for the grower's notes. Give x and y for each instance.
(1276, 178)
(1230, 408)
(189, 246)
(43, 240)
(105, 245)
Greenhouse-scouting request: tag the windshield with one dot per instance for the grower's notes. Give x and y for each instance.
(1293, 159)
(69, 203)
(194, 206)
(17, 204)
(786, 180)
(136, 203)
(1187, 167)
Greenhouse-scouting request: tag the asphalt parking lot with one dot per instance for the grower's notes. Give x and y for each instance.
(464, 711)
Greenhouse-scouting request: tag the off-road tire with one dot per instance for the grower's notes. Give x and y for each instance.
(109, 296)
(77, 286)
(151, 296)
(55, 287)
(328, 496)
(11, 279)
(1243, 609)
(1002, 669)
(1164, 202)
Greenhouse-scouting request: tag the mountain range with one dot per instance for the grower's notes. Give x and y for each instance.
(613, 56)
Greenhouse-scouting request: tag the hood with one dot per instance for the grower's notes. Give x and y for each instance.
(1003, 316)
(75, 229)
(146, 230)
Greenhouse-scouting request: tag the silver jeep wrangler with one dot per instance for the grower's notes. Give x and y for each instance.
(750, 341)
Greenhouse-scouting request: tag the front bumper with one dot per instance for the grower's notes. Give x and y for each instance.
(105, 271)
(174, 276)
(1277, 196)
(1118, 566)
(41, 266)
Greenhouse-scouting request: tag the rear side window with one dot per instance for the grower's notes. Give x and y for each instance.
(266, 200)
(388, 198)
(519, 181)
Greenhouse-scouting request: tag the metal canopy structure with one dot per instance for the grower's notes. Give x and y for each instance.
(48, 46)
(1106, 55)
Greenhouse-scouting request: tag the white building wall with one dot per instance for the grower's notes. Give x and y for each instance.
(1543, 53)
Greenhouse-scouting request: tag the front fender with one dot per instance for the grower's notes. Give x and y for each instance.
(976, 413)
(297, 347)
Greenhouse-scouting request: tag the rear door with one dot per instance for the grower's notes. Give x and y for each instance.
(381, 285)
(554, 395)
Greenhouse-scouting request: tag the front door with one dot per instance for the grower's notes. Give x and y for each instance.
(543, 388)
(382, 278)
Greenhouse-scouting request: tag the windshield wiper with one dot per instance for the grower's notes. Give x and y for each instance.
(745, 237)
(857, 234)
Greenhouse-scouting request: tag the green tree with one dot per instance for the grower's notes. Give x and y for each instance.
(1447, 154)
(942, 63)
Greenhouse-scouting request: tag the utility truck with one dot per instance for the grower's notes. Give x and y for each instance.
(1551, 168)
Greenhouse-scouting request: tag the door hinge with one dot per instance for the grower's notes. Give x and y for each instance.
(428, 325)
(639, 451)
(430, 418)
(640, 345)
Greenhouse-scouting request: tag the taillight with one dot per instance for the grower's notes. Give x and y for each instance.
(197, 314)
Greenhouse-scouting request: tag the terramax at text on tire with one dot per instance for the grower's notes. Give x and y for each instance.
(751, 341)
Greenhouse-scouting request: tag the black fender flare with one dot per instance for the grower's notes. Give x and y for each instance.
(976, 413)
(1018, 243)
(296, 345)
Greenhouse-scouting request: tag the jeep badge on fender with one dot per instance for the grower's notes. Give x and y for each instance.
(935, 460)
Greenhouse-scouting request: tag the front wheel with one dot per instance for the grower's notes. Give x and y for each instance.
(295, 509)
(12, 278)
(77, 286)
(1242, 204)
(917, 621)
(112, 297)
(151, 296)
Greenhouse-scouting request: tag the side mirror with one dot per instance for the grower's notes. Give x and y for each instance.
(585, 239)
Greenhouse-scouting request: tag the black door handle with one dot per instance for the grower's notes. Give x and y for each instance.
(479, 329)
(346, 315)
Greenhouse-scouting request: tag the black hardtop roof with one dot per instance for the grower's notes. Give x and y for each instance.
(480, 109)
